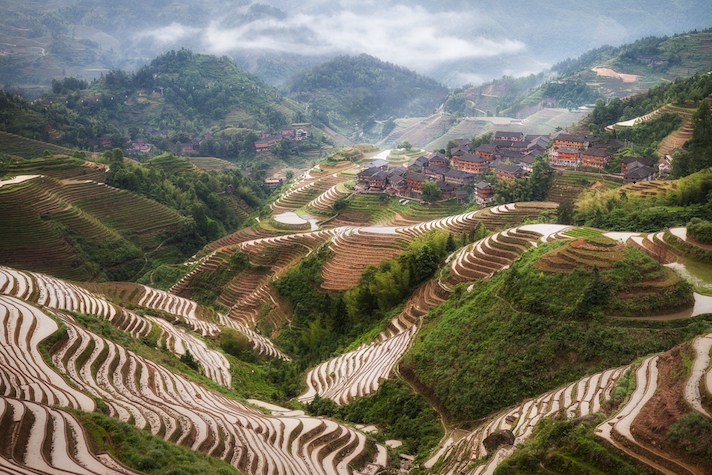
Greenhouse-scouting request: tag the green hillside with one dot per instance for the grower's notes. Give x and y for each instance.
(357, 91)
(545, 327)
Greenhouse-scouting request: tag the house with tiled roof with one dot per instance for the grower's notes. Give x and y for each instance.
(509, 136)
(642, 173)
(630, 163)
(596, 157)
(508, 172)
(484, 193)
(486, 150)
(458, 177)
(470, 163)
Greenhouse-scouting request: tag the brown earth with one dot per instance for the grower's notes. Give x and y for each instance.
(666, 407)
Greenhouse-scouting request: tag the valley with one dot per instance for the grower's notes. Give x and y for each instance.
(361, 272)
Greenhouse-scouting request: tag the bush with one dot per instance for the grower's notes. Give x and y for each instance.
(700, 230)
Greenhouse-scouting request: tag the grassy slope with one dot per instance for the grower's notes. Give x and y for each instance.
(478, 352)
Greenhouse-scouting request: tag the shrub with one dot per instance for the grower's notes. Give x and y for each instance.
(700, 230)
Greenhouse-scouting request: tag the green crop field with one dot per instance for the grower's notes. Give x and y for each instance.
(11, 144)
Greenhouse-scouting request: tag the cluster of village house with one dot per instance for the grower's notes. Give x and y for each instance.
(509, 156)
(287, 133)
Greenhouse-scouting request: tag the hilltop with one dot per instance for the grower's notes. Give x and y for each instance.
(358, 91)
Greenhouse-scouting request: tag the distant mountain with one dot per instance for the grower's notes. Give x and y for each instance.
(455, 42)
(180, 94)
(355, 91)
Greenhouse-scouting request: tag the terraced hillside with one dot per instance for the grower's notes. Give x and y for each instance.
(23, 147)
(60, 167)
(47, 440)
(579, 399)
(169, 406)
(44, 218)
(56, 294)
(680, 136)
(359, 372)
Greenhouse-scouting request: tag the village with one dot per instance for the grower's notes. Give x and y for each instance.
(510, 155)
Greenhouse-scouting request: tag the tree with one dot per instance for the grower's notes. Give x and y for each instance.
(565, 214)
(450, 145)
(450, 245)
(406, 145)
(431, 192)
(541, 179)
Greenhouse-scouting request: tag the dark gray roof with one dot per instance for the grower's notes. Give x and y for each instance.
(458, 174)
(416, 176)
(505, 167)
(644, 161)
(486, 147)
(437, 155)
(509, 144)
(445, 186)
(597, 152)
(381, 175)
(483, 185)
(421, 161)
(576, 138)
(473, 158)
(368, 172)
(437, 169)
(397, 171)
(529, 159)
(640, 172)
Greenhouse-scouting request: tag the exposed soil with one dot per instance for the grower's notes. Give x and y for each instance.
(607, 72)
(666, 407)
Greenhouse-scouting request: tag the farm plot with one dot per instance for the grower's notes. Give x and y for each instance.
(49, 441)
(149, 396)
(54, 293)
(12, 144)
(578, 399)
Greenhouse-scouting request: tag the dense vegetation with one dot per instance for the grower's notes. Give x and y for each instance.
(525, 332)
(566, 447)
(323, 322)
(203, 196)
(700, 230)
(695, 89)
(699, 147)
(142, 451)
(395, 409)
(533, 188)
(616, 210)
(180, 94)
(358, 90)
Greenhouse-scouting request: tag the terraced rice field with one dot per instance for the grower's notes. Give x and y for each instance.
(211, 163)
(578, 399)
(31, 242)
(61, 168)
(149, 396)
(569, 185)
(12, 144)
(30, 237)
(358, 373)
(624, 430)
(56, 294)
(47, 440)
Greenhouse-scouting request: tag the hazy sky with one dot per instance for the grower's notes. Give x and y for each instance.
(524, 36)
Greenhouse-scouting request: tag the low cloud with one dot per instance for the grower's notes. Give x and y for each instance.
(405, 35)
(170, 35)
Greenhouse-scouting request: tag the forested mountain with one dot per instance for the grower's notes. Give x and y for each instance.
(356, 91)
(176, 97)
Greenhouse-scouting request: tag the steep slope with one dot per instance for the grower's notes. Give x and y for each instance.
(357, 90)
